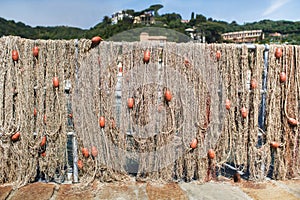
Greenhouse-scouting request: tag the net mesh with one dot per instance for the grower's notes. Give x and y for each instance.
(151, 136)
(152, 140)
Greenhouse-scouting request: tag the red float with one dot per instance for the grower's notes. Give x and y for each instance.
(130, 102)
(85, 152)
(35, 51)
(80, 164)
(146, 58)
(253, 84)
(34, 112)
(227, 104)
(282, 77)
(274, 145)
(168, 95)
(55, 82)
(96, 40)
(44, 140)
(292, 121)
(102, 121)
(218, 55)
(194, 143)
(278, 53)
(15, 137)
(15, 55)
(211, 154)
(244, 112)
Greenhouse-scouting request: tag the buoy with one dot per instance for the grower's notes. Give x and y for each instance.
(102, 121)
(194, 143)
(55, 82)
(15, 55)
(35, 51)
(146, 58)
(168, 95)
(130, 102)
(96, 40)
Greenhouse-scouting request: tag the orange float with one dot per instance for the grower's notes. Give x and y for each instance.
(168, 95)
(194, 143)
(15, 137)
(253, 84)
(278, 53)
(35, 51)
(34, 112)
(292, 121)
(244, 112)
(102, 121)
(282, 77)
(218, 55)
(55, 82)
(274, 145)
(80, 164)
(15, 55)
(130, 102)
(211, 154)
(146, 58)
(85, 152)
(227, 104)
(96, 40)
(43, 141)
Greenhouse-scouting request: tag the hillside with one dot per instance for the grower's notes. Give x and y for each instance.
(208, 27)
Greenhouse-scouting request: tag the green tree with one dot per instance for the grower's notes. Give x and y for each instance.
(155, 8)
(192, 16)
(106, 20)
(200, 18)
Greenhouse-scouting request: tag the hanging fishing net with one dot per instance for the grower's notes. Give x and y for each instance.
(148, 110)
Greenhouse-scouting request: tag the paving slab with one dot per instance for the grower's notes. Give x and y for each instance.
(165, 191)
(267, 190)
(73, 192)
(34, 191)
(5, 191)
(213, 191)
(292, 186)
(120, 191)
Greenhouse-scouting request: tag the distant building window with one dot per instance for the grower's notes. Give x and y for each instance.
(244, 36)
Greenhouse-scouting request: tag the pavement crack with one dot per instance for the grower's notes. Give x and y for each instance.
(55, 191)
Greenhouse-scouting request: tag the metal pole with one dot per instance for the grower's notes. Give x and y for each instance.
(75, 159)
(261, 119)
(75, 156)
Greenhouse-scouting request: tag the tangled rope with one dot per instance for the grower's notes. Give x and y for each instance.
(158, 138)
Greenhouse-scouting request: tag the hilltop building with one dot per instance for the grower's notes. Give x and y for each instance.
(119, 16)
(244, 36)
(145, 18)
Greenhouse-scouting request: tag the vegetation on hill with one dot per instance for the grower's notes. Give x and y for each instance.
(208, 27)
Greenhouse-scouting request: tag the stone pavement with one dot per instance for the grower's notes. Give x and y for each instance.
(287, 190)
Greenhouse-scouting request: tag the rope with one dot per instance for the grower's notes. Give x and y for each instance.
(152, 140)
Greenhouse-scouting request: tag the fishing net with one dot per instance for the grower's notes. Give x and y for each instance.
(283, 104)
(238, 143)
(160, 138)
(152, 139)
(31, 106)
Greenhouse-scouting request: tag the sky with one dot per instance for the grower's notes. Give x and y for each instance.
(87, 13)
